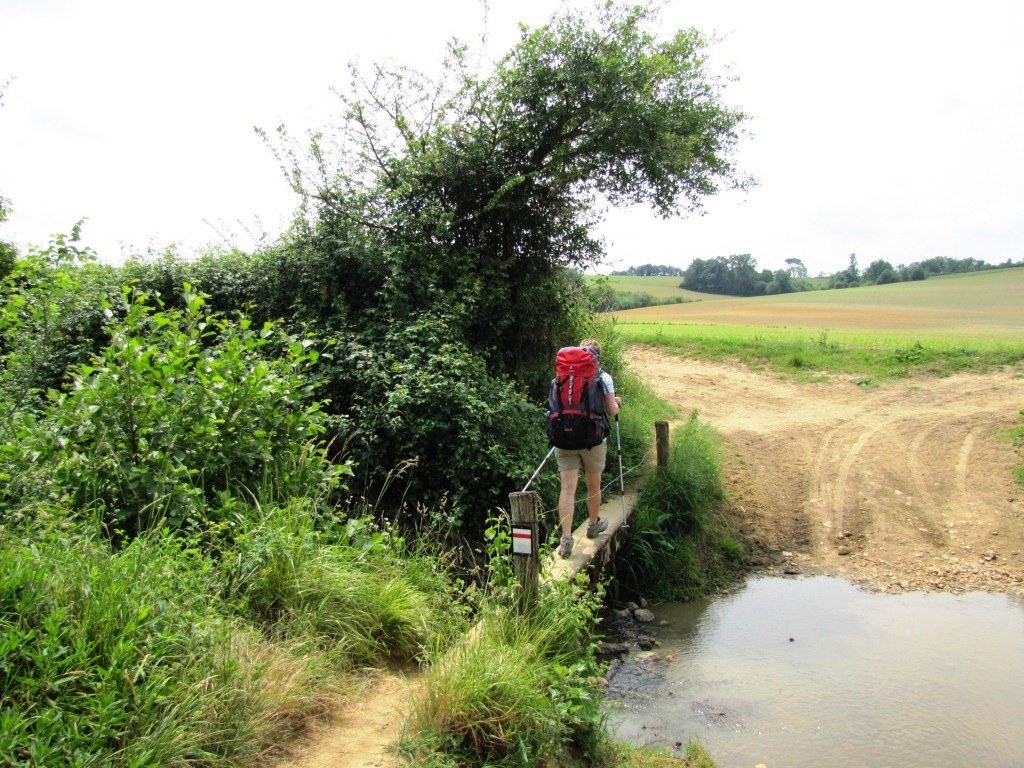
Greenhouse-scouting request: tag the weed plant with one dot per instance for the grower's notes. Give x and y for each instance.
(693, 756)
(678, 547)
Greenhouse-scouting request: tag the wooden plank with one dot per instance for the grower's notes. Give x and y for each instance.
(593, 553)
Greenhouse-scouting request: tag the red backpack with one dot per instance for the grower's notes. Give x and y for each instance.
(576, 417)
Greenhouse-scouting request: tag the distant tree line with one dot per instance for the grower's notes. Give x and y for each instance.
(738, 275)
(652, 270)
(603, 298)
(881, 272)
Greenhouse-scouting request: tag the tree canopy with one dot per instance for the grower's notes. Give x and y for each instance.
(466, 194)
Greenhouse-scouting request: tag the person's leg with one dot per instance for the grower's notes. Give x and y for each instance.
(593, 495)
(567, 499)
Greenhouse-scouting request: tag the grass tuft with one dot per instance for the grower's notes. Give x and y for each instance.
(522, 689)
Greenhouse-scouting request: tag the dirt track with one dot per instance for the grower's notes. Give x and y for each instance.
(908, 486)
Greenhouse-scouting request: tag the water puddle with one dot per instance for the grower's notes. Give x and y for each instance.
(812, 672)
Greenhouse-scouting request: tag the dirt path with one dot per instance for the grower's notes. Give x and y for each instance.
(360, 731)
(907, 486)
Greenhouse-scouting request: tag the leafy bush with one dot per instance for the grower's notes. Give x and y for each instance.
(426, 397)
(49, 321)
(181, 411)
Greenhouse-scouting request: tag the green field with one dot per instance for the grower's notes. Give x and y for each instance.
(658, 287)
(937, 326)
(981, 308)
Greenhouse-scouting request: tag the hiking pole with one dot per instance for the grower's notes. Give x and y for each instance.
(622, 482)
(542, 464)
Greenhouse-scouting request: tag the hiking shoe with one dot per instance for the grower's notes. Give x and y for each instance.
(565, 546)
(595, 528)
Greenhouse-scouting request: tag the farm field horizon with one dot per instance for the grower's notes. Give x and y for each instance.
(980, 308)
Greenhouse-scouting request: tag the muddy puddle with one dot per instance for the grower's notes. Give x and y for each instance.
(811, 672)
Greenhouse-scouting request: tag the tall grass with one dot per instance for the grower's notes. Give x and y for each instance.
(163, 652)
(114, 657)
(679, 547)
(361, 591)
(523, 689)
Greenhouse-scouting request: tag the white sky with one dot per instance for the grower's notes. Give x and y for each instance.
(892, 129)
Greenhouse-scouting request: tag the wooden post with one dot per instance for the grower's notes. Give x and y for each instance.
(525, 507)
(661, 441)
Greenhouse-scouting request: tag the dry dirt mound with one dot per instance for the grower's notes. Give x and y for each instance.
(905, 486)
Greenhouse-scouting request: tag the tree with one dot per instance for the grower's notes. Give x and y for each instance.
(475, 191)
(849, 277)
(733, 276)
(876, 269)
(782, 282)
(442, 220)
(796, 267)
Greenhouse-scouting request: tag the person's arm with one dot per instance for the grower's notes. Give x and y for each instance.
(612, 403)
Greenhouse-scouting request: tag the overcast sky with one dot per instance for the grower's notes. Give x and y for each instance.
(887, 129)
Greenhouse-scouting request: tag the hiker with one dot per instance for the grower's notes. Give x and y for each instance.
(592, 461)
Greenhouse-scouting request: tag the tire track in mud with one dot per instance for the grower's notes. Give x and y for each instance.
(838, 512)
(961, 470)
(914, 464)
(915, 470)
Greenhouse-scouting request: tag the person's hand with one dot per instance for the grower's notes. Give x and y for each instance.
(618, 401)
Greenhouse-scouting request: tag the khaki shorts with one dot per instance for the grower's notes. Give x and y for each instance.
(590, 460)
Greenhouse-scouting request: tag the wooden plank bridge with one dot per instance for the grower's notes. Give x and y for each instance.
(532, 564)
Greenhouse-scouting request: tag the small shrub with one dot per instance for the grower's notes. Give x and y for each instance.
(45, 324)
(181, 409)
(912, 355)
